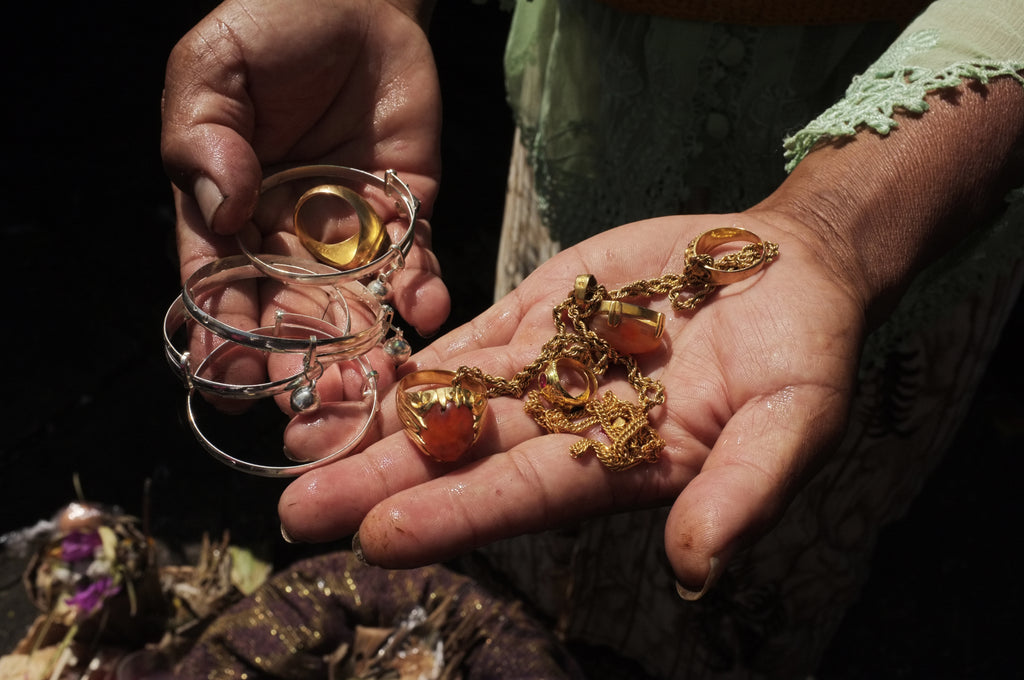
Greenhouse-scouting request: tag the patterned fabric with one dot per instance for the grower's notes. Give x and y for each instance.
(591, 89)
(766, 12)
(524, 241)
(332, 616)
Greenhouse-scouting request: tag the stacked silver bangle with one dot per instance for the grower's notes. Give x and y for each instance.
(320, 312)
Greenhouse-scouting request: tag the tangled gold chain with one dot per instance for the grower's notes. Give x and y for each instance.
(632, 439)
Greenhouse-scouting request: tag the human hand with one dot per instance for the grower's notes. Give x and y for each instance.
(259, 85)
(757, 383)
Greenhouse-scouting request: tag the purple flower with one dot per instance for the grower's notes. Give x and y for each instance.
(91, 597)
(79, 545)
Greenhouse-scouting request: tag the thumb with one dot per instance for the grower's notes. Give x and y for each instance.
(759, 462)
(207, 124)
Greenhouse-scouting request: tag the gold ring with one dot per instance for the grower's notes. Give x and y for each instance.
(629, 328)
(750, 260)
(583, 287)
(443, 421)
(554, 391)
(356, 250)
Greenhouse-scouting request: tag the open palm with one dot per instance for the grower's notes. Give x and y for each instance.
(757, 383)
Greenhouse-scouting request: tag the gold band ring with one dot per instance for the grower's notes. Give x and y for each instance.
(583, 287)
(748, 261)
(354, 251)
(554, 391)
(443, 421)
(629, 328)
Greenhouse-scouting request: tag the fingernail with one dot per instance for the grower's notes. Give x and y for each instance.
(714, 570)
(288, 538)
(209, 198)
(357, 549)
(291, 456)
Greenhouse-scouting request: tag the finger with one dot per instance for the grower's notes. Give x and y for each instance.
(495, 327)
(235, 305)
(346, 417)
(348, 395)
(758, 461)
(419, 294)
(195, 243)
(521, 319)
(329, 502)
(207, 123)
(536, 485)
(312, 438)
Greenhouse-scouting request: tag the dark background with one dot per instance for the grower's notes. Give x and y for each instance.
(86, 226)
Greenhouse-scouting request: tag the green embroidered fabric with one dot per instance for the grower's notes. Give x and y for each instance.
(951, 42)
(628, 116)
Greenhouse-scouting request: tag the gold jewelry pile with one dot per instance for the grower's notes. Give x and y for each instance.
(596, 330)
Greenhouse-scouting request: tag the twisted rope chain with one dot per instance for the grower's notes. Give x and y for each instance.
(625, 425)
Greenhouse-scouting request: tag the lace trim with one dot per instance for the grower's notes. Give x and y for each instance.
(890, 86)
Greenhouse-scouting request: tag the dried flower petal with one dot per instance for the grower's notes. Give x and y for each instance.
(79, 545)
(91, 597)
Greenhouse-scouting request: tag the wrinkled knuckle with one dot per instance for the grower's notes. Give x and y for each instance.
(529, 476)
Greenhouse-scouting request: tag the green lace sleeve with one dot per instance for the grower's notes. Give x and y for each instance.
(952, 40)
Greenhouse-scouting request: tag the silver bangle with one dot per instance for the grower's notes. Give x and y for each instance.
(390, 260)
(370, 390)
(321, 341)
(181, 361)
(235, 268)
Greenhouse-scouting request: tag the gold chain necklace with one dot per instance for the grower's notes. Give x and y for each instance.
(577, 346)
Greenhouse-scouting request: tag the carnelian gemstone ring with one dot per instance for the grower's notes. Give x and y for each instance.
(442, 419)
